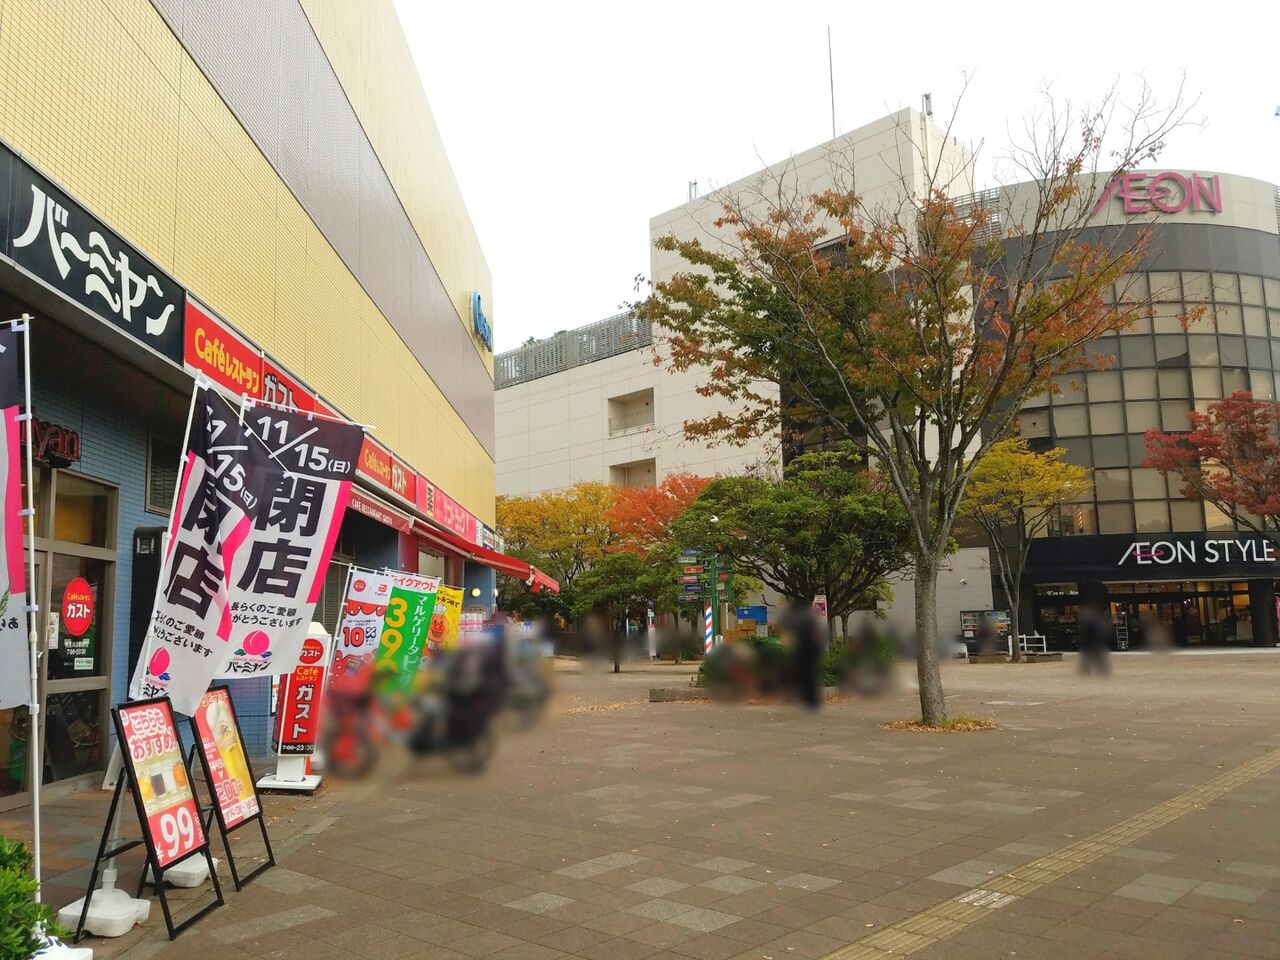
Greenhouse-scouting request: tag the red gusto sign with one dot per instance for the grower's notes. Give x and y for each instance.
(1164, 192)
(298, 716)
(282, 390)
(77, 607)
(388, 472)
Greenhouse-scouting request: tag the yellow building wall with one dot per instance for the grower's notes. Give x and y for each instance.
(368, 51)
(102, 97)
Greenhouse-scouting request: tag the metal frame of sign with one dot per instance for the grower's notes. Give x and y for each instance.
(130, 780)
(215, 809)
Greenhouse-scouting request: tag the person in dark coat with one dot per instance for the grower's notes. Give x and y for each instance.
(800, 626)
(1095, 641)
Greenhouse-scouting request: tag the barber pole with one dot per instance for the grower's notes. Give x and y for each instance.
(708, 638)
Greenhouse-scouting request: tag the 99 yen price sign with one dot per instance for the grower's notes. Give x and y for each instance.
(160, 780)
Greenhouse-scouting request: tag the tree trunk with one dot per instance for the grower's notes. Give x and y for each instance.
(844, 628)
(1016, 656)
(617, 646)
(933, 707)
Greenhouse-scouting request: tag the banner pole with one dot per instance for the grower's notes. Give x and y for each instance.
(34, 751)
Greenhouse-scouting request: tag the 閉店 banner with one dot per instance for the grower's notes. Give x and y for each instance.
(281, 570)
(14, 670)
(260, 497)
(404, 630)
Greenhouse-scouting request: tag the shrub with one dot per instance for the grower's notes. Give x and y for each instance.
(19, 914)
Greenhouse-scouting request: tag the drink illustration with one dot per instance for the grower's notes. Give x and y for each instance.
(222, 728)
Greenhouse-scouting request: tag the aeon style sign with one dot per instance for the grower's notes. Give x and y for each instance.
(1220, 550)
(1164, 192)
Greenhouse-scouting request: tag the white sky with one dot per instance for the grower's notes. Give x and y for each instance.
(569, 125)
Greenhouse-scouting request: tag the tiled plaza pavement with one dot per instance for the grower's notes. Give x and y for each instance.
(1137, 817)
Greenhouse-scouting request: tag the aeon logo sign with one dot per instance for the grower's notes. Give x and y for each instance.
(1222, 550)
(1164, 192)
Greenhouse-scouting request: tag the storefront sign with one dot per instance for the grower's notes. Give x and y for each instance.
(446, 511)
(225, 761)
(56, 240)
(214, 349)
(1164, 192)
(480, 323)
(14, 689)
(1220, 550)
(161, 780)
(282, 390)
(298, 715)
(77, 642)
(1179, 556)
(55, 444)
(364, 504)
(386, 471)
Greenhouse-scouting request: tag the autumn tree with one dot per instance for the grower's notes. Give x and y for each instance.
(826, 526)
(915, 329)
(1230, 458)
(562, 532)
(1011, 496)
(641, 517)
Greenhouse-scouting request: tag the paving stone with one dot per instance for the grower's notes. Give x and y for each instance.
(1230, 891)
(656, 886)
(724, 865)
(733, 884)
(540, 902)
(703, 920)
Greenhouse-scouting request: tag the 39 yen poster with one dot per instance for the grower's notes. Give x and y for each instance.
(224, 756)
(14, 685)
(166, 804)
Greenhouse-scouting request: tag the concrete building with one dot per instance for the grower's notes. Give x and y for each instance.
(596, 403)
(268, 188)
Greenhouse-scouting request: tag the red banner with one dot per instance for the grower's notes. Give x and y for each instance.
(446, 511)
(298, 714)
(283, 390)
(387, 471)
(154, 754)
(214, 349)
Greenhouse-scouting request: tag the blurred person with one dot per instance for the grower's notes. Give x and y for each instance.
(800, 627)
(1096, 631)
(1155, 634)
(987, 637)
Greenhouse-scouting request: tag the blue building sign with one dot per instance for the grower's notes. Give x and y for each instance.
(480, 323)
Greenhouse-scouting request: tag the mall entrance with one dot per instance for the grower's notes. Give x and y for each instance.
(1148, 615)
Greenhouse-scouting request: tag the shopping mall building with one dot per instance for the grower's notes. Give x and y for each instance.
(256, 193)
(1136, 543)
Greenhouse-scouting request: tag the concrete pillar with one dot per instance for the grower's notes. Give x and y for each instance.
(1262, 608)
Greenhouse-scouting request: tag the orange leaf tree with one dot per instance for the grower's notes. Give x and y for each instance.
(911, 332)
(1230, 458)
(641, 517)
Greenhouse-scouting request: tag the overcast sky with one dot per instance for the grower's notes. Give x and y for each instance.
(570, 125)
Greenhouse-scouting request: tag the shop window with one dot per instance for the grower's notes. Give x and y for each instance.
(1115, 518)
(1233, 380)
(1143, 415)
(1149, 484)
(1137, 352)
(1175, 414)
(1070, 421)
(1164, 285)
(1251, 290)
(1034, 424)
(1112, 484)
(1171, 350)
(1110, 452)
(1174, 384)
(1195, 287)
(162, 474)
(1206, 384)
(1106, 418)
(1215, 519)
(1151, 516)
(1258, 351)
(1255, 321)
(74, 734)
(1271, 288)
(1225, 288)
(1261, 384)
(1132, 288)
(1186, 515)
(1104, 386)
(1140, 384)
(82, 511)
(1069, 389)
(1204, 350)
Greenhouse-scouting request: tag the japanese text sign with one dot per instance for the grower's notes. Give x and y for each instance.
(298, 715)
(214, 349)
(360, 631)
(404, 631)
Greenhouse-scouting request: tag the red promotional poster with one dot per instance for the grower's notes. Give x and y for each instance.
(166, 803)
(214, 349)
(298, 714)
(226, 761)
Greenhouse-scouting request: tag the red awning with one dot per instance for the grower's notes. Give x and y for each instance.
(535, 578)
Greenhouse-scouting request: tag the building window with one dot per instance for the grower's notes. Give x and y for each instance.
(162, 474)
(1115, 518)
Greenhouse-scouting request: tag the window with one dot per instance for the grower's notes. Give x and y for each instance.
(1165, 286)
(1106, 418)
(1204, 350)
(1186, 515)
(1070, 421)
(1077, 519)
(1140, 384)
(1171, 350)
(1229, 319)
(162, 474)
(1233, 380)
(1110, 452)
(1137, 352)
(1206, 384)
(1104, 386)
(1143, 415)
(1167, 318)
(1255, 321)
(1174, 384)
(1070, 389)
(82, 511)
(1251, 290)
(1272, 288)
(1261, 384)
(1132, 288)
(1115, 518)
(1034, 424)
(1231, 351)
(1111, 484)
(1195, 287)
(1225, 288)
(1151, 517)
(1215, 519)
(1258, 351)
(1149, 484)
(1175, 414)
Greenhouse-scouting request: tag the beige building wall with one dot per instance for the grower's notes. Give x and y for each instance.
(101, 96)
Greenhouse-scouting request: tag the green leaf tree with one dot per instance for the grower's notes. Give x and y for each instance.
(616, 588)
(1011, 496)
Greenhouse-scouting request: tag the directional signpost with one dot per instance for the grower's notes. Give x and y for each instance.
(701, 579)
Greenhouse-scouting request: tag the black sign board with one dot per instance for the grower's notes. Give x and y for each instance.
(234, 799)
(1153, 556)
(158, 776)
(58, 241)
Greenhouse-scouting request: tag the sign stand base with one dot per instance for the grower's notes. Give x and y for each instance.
(57, 950)
(188, 873)
(110, 912)
(291, 774)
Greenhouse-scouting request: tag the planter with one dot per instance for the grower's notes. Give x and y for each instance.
(988, 658)
(1053, 656)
